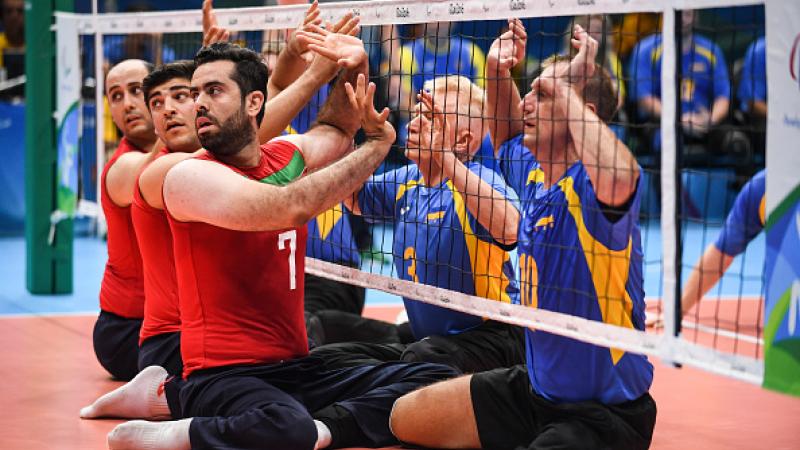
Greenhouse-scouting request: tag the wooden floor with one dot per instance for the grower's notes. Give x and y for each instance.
(49, 372)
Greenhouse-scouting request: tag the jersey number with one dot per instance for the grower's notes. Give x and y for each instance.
(290, 236)
(410, 254)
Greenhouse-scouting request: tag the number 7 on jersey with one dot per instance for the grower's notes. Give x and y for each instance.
(290, 236)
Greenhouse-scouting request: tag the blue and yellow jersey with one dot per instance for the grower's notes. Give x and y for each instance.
(330, 237)
(573, 260)
(747, 217)
(753, 82)
(420, 62)
(438, 242)
(703, 69)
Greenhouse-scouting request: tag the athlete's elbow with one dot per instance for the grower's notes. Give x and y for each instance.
(297, 216)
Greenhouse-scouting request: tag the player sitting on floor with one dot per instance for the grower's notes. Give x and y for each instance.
(116, 332)
(454, 223)
(580, 254)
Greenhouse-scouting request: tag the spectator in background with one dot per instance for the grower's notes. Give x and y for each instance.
(137, 46)
(436, 53)
(12, 45)
(752, 93)
(705, 85)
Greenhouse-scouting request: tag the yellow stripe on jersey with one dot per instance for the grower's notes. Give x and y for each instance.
(408, 185)
(709, 55)
(489, 280)
(328, 220)
(435, 216)
(656, 54)
(528, 281)
(544, 221)
(535, 176)
(762, 210)
(609, 269)
(290, 130)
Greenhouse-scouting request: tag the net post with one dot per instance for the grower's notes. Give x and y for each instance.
(669, 185)
(99, 115)
(48, 267)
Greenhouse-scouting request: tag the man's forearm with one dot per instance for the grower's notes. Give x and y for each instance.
(503, 100)
(493, 211)
(610, 165)
(284, 107)
(651, 106)
(319, 191)
(288, 68)
(336, 111)
(720, 110)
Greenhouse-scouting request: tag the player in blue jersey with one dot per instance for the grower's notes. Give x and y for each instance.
(705, 85)
(752, 92)
(580, 255)
(744, 222)
(455, 222)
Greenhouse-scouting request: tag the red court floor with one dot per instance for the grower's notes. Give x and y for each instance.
(48, 372)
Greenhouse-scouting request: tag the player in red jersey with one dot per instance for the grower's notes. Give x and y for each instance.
(168, 98)
(238, 216)
(116, 331)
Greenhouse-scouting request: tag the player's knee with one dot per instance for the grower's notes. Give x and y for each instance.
(401, 417)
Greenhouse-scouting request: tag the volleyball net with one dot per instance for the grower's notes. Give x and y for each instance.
(683, 102)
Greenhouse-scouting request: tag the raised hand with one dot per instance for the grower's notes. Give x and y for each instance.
(509, 48)
(582, 66)
(433, 130)
(361, 100)
(212, 32)
(297, 46)
(346, 50)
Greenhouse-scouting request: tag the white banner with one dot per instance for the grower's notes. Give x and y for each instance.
(782, 265)
(783, 79)
(68, 82)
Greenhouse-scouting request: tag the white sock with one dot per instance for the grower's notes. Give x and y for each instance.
(323, 435)
(141, 398)
(143, 435)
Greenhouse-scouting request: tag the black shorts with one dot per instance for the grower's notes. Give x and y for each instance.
(162, 350)
(322, 293)
(488, 346)
(116, 344)
(273, 405)
(510, 415)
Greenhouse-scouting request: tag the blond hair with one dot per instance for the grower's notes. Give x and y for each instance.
(469, 103)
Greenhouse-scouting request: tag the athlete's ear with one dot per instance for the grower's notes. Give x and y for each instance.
(592, 107)
(253, 103)
(464, 140)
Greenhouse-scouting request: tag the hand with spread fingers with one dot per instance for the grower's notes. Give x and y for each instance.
(296, 46)
(212, 32)
(361, 100)
(434, 128)
(344, 49)
(508, 49)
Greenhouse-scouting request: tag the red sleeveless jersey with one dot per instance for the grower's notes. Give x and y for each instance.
(161, 313)
(241, 293)
(122, 288)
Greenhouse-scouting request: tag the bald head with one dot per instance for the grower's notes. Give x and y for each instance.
(126, 100)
